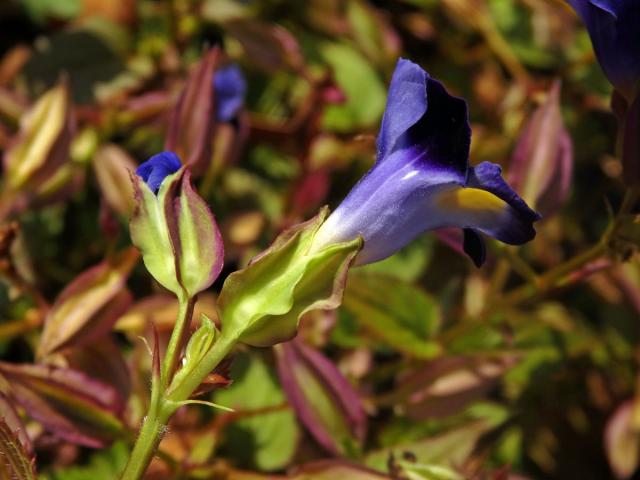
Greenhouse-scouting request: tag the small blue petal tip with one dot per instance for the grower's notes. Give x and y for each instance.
(157, 168)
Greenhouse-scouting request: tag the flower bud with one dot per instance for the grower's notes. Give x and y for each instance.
(542, 162)
(175, 230)
(193, 119)
(199, 344)
(262, 304)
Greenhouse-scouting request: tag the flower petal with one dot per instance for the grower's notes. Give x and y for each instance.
(406, 104)
(389, 207)
(486, 212)
(614, 32)
(157, 168)
(473, 245)
(230, 87)
(422, 117)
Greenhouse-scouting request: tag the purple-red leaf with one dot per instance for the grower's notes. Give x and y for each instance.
(323, 399)
(446, 386)
(102, 361)
(269, 47)
(89, 306)
(17, 460)
(68, 403)
(192, 120)
(42, 144)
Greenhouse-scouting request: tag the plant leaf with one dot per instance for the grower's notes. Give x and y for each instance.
(89, 306)
(397, 313)
(17, 460)
(68, 403)
(323, 399)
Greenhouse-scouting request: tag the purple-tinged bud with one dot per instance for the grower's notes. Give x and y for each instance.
(541, 166)
(192, 120)
(174, 228)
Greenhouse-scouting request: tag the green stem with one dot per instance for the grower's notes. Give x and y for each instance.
(164, 402)
(549, 280)
(177, 340)
(160, 410)
(224, 344)
(153, 428)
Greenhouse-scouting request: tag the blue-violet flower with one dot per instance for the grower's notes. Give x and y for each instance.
(230, 87)
(422, 180)
(157, 168)
(614, 28)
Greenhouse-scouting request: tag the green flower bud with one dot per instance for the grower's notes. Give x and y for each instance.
(177, 234)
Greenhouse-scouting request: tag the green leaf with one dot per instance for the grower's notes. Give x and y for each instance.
(397, 313)
(418, 471)
(450, 448)
(267, 441)
(365, 91)
(407, 264)
(106, 464)
(41, 10)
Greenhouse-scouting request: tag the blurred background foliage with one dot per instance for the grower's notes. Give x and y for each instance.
(501, 373)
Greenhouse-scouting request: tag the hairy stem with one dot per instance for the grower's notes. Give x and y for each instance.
(184, 389)
(165, 400)
(153, 428)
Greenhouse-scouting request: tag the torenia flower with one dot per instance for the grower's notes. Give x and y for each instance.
(173, 227)
(422, 181)
(614, 28)
(230, 88)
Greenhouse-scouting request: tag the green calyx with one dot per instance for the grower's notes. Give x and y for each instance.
(262, 304)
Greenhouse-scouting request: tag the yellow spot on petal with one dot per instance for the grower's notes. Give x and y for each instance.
(472, 200)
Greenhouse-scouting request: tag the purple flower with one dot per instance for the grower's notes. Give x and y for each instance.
(157, 168)
(422, 181)
(230, 87)
(614, 28)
